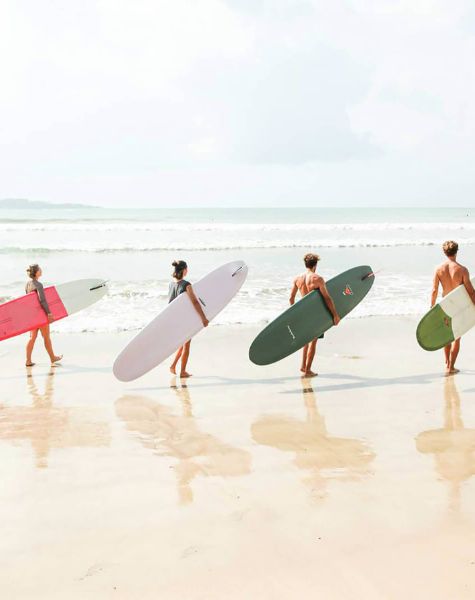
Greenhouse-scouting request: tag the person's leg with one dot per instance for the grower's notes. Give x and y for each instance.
(48, 345)
(184, 359)
(310, 356)
(175, 360)
(303, 367)
(447, 350)
(453, 356)
(29, 347)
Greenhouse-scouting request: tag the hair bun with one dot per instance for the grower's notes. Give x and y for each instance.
(175, 263)
(33, 270)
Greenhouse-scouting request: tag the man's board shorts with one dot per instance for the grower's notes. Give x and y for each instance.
(320, 337)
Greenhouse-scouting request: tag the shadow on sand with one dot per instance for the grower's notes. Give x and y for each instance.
(322, 456)
(166, 433)
(47, 427)
(350, 382)
(453, 445)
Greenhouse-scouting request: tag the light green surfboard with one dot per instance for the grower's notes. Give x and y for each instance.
(309, 317)
(448, 320)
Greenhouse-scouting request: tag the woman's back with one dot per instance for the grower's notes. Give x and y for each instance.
(176, 288)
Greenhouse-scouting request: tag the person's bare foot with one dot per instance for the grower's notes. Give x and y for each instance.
(173, 370)
(184, 374)
(452, 371)
(302, 369)
(310, 374)
(30, 364)
(56, 359)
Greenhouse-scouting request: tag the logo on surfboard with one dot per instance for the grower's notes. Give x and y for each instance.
(347, 291)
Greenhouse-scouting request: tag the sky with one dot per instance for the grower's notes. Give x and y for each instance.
(238, 102)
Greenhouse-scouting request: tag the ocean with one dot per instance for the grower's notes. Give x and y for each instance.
(134, 249)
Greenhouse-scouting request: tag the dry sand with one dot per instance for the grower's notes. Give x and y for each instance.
(248, 482)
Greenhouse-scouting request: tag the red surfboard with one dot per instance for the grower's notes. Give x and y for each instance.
(26, 313)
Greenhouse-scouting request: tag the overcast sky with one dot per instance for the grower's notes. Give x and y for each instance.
(238, 102)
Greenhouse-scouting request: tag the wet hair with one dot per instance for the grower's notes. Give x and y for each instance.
(450, 248)
(33, 270)
(180, 266)
(311, 260)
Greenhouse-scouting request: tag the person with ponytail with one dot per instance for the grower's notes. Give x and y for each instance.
(178, 286)
(33, 285)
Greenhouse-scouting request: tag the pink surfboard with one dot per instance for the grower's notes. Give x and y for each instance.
(26, 313)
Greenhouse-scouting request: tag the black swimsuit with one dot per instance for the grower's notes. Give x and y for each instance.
(176, 288)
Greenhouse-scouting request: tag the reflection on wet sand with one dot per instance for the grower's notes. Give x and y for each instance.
(324, 457)
(178, 436)
(47, 426)
(453, 446)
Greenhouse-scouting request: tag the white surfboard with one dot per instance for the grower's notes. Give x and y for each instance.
(79, 294)
(179, 322)
(448, 320)
(26, 313)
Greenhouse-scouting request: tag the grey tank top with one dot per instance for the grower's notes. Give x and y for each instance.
(176, 288)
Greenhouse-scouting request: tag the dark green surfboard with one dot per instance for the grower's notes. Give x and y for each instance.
(309, 317)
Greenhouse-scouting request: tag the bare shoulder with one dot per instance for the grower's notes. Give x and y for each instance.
(317, 280)
(441, 270)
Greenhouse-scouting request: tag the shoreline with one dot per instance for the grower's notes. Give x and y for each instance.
(353, 339)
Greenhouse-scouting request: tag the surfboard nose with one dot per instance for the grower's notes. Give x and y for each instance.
(98, 285)
(239, 271)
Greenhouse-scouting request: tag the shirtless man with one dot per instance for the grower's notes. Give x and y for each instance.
(304, 284)
(450, 274)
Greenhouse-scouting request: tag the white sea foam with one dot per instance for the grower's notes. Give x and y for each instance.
(214, 245)
(140, 226)
(131, 305)
(135, 255)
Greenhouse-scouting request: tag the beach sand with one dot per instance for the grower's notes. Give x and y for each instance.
(246, 482)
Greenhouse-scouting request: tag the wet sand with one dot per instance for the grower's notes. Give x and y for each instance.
(242, 482)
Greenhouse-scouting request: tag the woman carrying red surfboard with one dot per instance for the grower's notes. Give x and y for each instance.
(34, 285)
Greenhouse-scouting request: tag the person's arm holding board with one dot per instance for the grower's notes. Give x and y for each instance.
(468, 284)
(42, 298)
(196, 303)
(318, 283)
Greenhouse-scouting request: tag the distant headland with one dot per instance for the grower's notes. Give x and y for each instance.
(23, 203)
